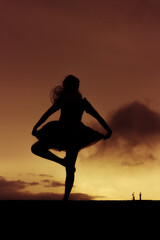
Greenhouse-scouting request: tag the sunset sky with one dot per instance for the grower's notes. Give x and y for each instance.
(113, 47)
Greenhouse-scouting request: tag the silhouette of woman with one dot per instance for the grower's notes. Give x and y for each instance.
(69, 133)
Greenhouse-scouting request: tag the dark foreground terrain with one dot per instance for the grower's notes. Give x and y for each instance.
(79, 207)
(76, 218)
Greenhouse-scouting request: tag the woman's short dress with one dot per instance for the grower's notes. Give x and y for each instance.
(61, 135)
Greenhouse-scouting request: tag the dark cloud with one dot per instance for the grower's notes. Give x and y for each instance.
(53, 183)
(47, 182)
(40, 175)
(81, 196)
(15, 190)
(136, 123)
(45, 175)
(136, 131)
(14, 185)
(56, 196)
(12, 189)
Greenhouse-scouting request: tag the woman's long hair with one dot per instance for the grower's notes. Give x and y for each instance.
(70, 86)
(56, 93)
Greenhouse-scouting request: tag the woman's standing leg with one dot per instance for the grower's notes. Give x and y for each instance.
(71, 156)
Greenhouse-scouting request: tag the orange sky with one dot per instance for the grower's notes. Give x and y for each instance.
(113, 48)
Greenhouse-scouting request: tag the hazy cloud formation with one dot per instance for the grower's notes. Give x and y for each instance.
(49, 183)
(15, 190)
(136, 132)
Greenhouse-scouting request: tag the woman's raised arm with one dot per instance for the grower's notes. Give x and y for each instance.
(89, 109)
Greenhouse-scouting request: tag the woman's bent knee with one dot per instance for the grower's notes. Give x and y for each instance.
(38, 148)
(35, 149)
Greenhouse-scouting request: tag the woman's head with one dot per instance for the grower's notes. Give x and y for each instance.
(71, 84)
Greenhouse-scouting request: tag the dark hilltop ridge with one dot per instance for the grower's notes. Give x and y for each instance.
(87, 215)
(78, 206)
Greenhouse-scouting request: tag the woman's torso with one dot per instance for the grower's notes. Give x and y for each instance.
(72, 108)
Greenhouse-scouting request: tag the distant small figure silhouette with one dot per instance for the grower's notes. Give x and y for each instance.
(69, 133)
(133, 196)
(140, 196)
